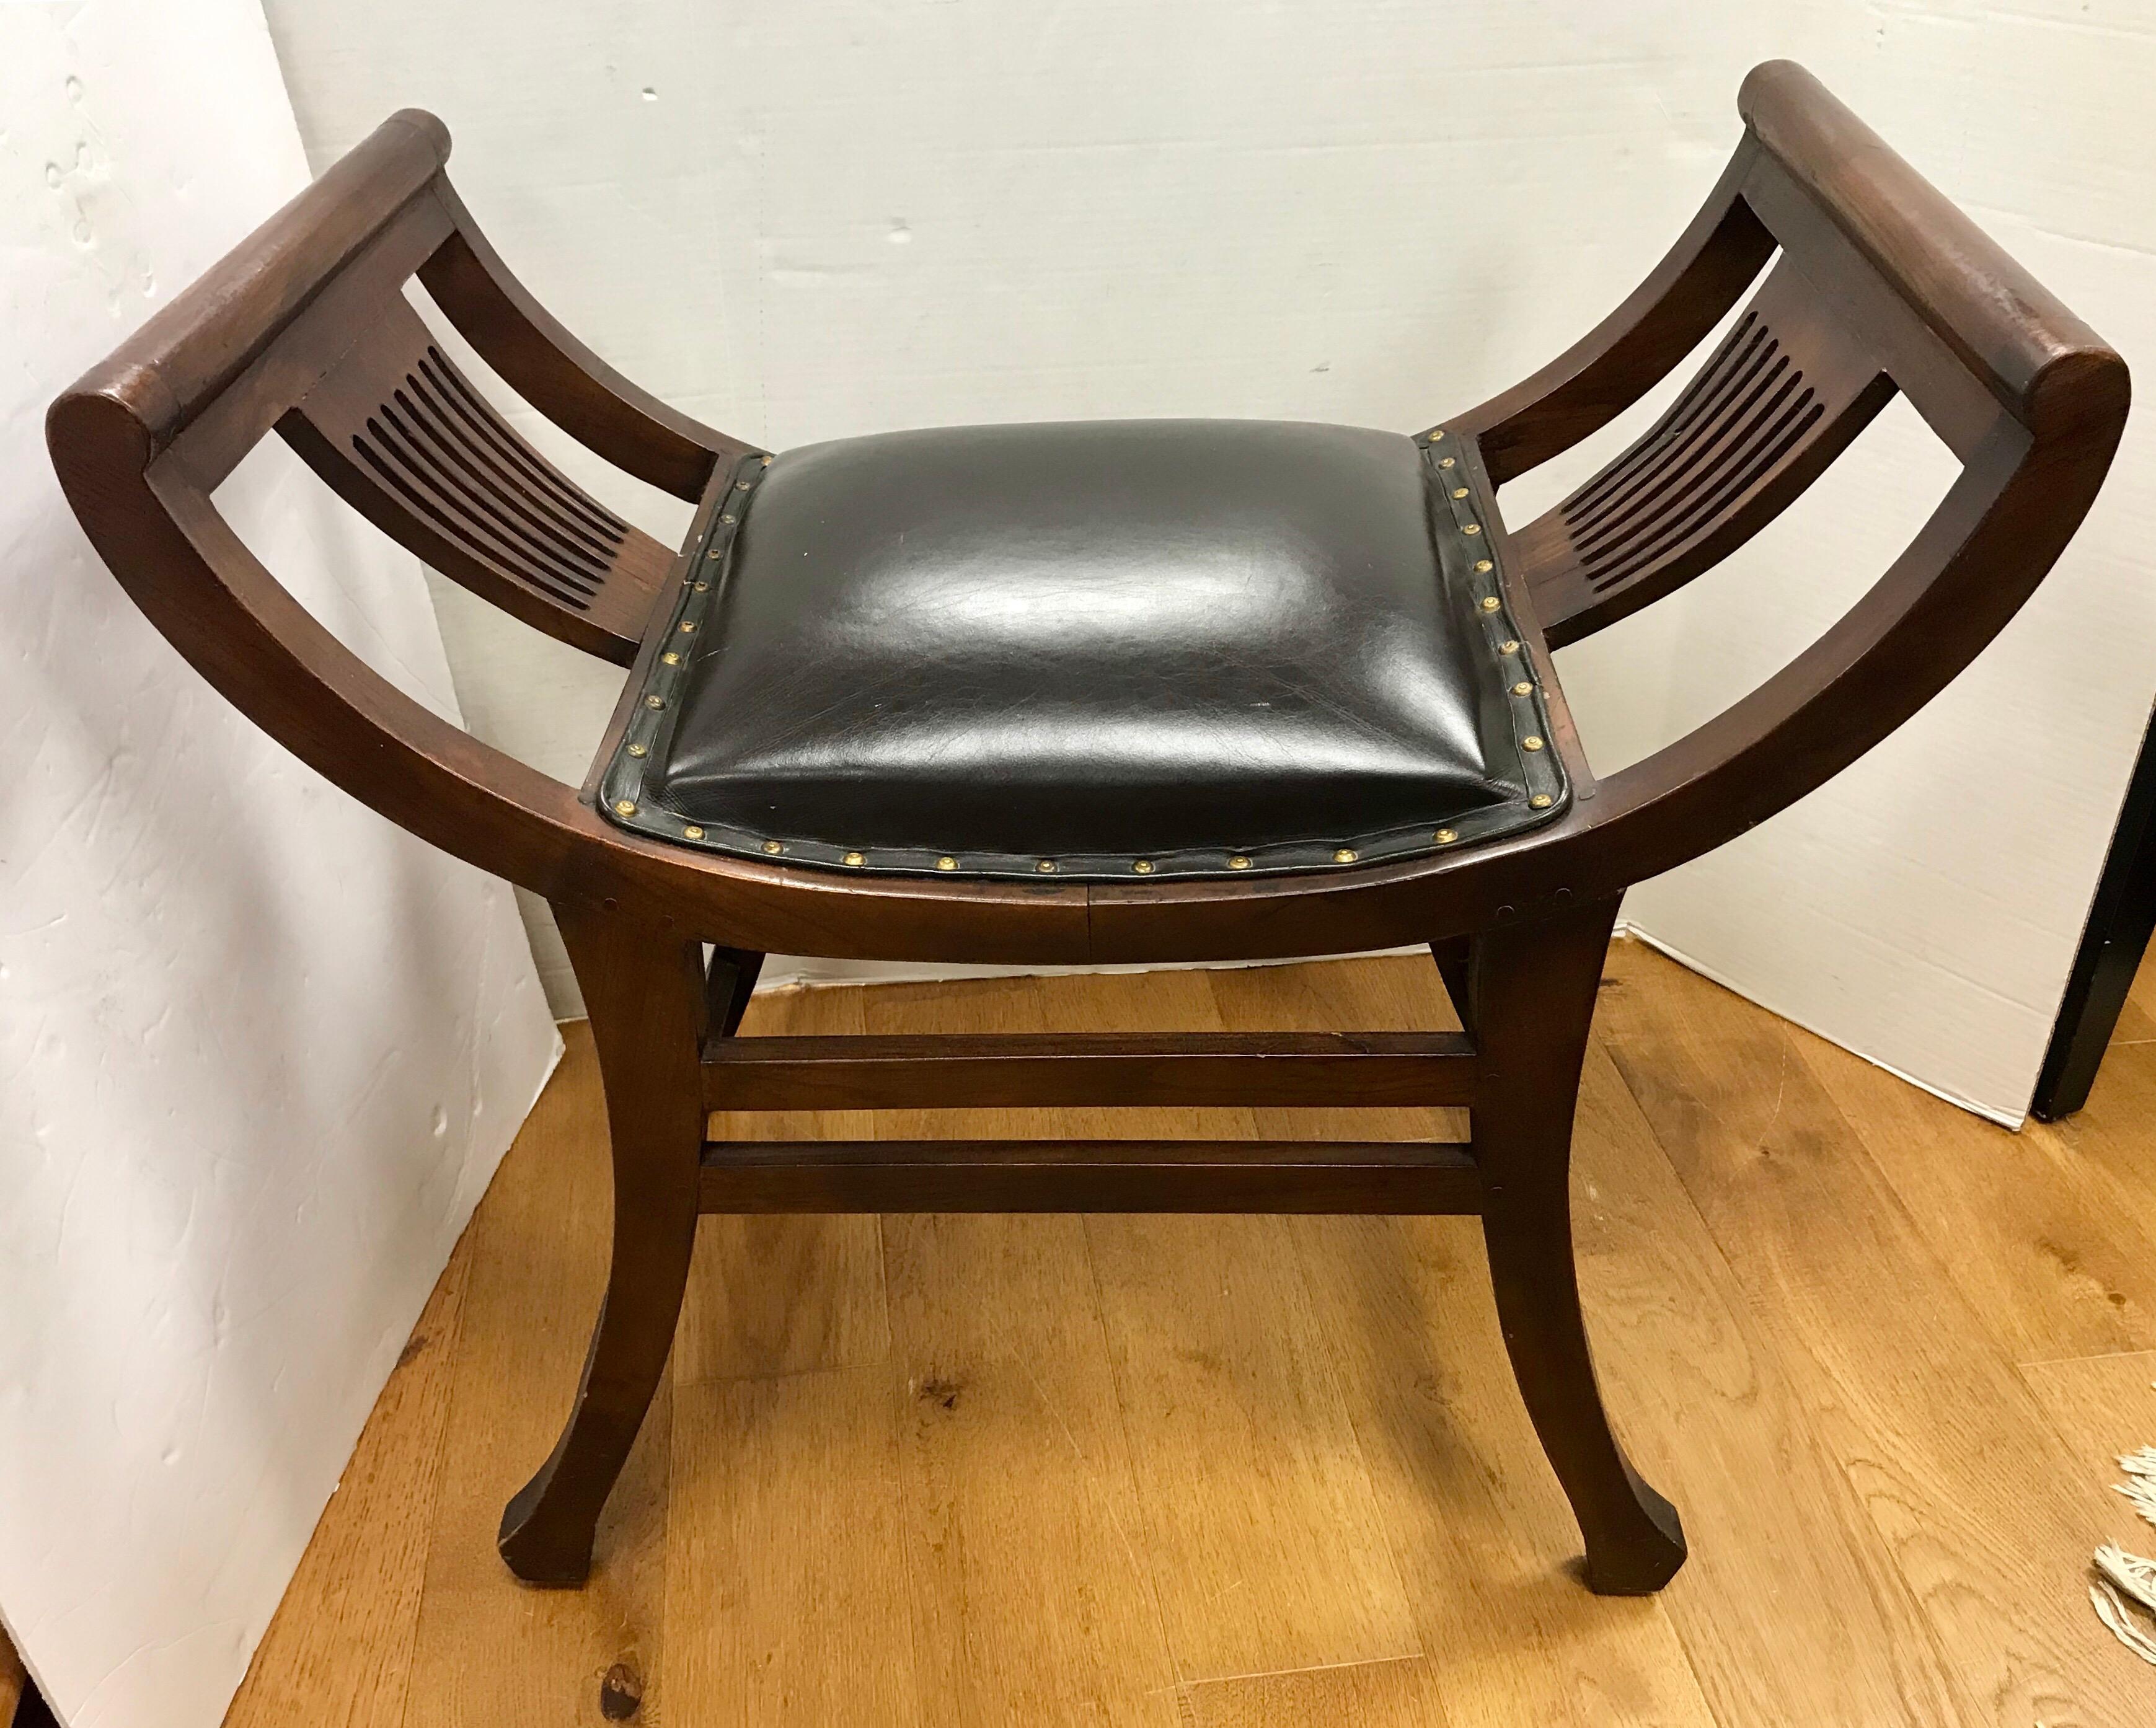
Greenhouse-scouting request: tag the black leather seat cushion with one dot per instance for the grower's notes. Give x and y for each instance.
(1090, 649)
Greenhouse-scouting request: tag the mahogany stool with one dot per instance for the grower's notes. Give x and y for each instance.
(1144, 692)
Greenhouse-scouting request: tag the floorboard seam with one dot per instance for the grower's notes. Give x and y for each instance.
(775, 1374)
(2095, 1355)
(1274, 1673)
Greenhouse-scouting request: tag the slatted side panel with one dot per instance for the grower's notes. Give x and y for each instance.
(402, 434)
(1777, 400)
(442, 448)
(1743, 413)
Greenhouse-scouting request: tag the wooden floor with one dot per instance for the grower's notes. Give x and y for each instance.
(1220, 1472)
(11, 1680)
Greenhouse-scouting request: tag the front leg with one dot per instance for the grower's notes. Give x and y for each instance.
(645, 991)
(1533, 987)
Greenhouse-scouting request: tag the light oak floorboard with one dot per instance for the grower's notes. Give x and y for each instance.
(783, 1296)
(1208, 1471)
(2137, 1016)
(11, 1679)
(1031, 1599)
(1481, 1532)
(2102, 1407)
(1261, 1527)
(1950, 1454)
(786, 1595)
(340, 1648)
(2044, 1243)
(1790, 1608)
(1267, 1543)
(2113, 1141)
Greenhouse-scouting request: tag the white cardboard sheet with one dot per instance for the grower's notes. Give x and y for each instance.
(260, 1051)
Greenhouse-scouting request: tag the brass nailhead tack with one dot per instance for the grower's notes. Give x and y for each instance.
(1144, 867)
(654, 701)
(1238, 863)
(1541, 801)
(1484, 566)
(854, 858)
(688, 625)
(1445, 462)
(1046, 867)
(1459, 491)
(1530, 742)
(946, 864)
(774, 847)
(1472, 528)
(766, 462)
(625, 806)
(741, 486)
(1523, 688)
(713, 553)
(671, 657)
(1445, 837)
(727, 516)
(1489, 603)
(639, 750)
(1508, 648)
(692, 833)
(1346, 854)
(1435, 436)
(703, 587)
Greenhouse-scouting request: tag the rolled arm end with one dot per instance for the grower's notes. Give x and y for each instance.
(2035, 354)
(2081, 389)
(427, 129)
(103, 425)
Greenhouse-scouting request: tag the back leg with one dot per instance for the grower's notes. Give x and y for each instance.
(729, 979)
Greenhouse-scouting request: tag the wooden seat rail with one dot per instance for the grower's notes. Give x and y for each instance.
(1383, 1177)
(1339, 1068)
(1099, 1070)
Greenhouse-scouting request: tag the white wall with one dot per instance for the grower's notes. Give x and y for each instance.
(260, 1051)
(809, 220)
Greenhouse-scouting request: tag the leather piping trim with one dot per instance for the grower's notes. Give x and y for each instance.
(1466, 560)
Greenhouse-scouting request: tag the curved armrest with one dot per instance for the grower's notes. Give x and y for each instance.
(303, 328)
(1991, 541)
(151, 519)
(1883, 284)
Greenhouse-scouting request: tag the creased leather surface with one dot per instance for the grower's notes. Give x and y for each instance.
(1075, 646)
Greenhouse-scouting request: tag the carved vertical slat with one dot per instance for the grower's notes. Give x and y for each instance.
(405, 437)
(1779, 399)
